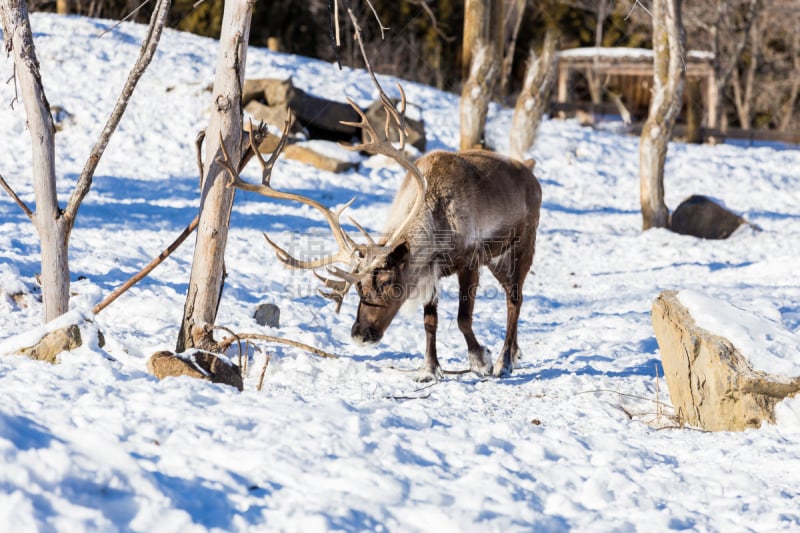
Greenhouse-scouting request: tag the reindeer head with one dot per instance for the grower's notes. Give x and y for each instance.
(382, 293)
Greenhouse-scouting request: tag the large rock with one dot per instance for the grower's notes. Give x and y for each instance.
(196, 364)
(321, 154)
(702, 217)
(46, 343)
(711, 384)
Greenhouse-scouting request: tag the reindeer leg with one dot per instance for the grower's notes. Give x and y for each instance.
(510, 270)
(509, 356)
(430, 370)
(478, 355)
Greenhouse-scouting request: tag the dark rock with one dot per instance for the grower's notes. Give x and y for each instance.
(702, 217)
(268, 315)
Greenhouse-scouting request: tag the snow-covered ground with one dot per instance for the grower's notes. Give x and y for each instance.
(579, 438)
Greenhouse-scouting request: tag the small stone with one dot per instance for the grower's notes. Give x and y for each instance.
(268, 314)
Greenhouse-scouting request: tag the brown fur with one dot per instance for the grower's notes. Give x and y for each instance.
(480, 209)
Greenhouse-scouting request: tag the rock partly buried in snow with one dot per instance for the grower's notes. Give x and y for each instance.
(702, 217)
(726, 369)
(324, 155)
(45, 343)
(268, 314)
(196, 364)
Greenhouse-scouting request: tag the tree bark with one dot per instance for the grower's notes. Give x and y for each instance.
(476, 29)
(225, 126)
(475, 98)
(483, 25)
(668, 81)
(534, 97)
(52, 229)
(52, 224)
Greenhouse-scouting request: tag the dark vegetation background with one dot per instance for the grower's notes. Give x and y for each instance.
(757, 39)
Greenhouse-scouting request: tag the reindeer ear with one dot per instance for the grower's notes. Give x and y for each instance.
(398, 256)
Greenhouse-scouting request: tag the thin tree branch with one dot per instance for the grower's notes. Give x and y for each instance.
(14, 197)
(147, 269)
(146, 54)
(263, 372)
(224, 343)
(126, 17)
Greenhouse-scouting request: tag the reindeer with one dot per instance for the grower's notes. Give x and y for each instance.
(453, 214)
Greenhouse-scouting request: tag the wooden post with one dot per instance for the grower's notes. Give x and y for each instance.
(562, 93)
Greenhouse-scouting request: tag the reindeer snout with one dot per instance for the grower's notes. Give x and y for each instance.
(365, 334)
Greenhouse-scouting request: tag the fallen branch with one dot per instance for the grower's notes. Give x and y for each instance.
(182, 237)
(226, 342)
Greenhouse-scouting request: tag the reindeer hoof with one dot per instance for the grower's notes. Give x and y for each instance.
(479, 362)
(502, 370)
(428, 375)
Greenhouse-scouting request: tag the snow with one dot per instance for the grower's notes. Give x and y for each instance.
(579, 438)
(762, 340)
(629, 53)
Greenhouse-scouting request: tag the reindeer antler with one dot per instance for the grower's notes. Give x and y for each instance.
(376, 145)
(362, 258)
(347, 246)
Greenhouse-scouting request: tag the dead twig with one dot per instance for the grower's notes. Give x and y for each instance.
(611, 391)
(263, 372)
(4, 184)
(224, 343)
(238, 341)
(125, 18)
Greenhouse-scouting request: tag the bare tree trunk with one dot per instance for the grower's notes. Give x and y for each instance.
(476, 30)
(743, 97)
(225, 126)
(53, 232)
(533, 98)
(517, 11)
(62, 7)
(787, 109)
(52, 224)
(475, 98)
(596, 81)
(483, 24)
(725, 61)
(668, 81)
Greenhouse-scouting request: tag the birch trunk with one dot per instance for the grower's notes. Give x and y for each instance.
(475, 97)
(52, 223)
(51, 226)
(534, 98)
(668, 81)
(225, 125)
